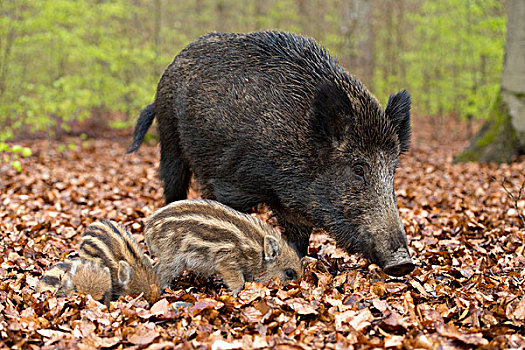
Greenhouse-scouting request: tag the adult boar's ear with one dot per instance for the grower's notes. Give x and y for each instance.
(330, 106)
(272, 249)
(398, 110)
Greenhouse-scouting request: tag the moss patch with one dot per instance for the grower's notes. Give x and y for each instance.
(496, 141)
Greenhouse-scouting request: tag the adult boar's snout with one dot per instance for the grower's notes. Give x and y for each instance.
(401, 269)
(400, 263)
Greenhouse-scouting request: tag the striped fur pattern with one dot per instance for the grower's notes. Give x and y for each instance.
(211, 238)
(77, 275)
(110, 244)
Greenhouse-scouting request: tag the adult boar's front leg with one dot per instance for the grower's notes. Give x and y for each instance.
(296, 232)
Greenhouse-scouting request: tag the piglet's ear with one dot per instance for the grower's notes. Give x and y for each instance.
(68, 283)
(398, 110)
(272, 249)
(124, 273)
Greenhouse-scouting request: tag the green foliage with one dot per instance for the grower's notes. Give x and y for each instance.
(63, 61)
(69, 60)
(16, 165)
(11, 153)
(453, 59)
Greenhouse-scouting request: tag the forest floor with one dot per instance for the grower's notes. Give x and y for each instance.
(463, 229)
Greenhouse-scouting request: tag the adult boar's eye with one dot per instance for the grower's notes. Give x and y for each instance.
(359, 170)
(290, 274)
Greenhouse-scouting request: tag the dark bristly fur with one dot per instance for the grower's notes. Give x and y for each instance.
(110, 244)
(76, 275)
(271, 117)
(211, 238)
(145, 120)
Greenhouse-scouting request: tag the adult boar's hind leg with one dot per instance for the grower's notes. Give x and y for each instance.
(174, 171)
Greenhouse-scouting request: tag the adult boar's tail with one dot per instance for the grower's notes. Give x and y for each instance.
(141, 128)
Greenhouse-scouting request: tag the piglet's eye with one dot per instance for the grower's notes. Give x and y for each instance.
(359, 170)
(290, 274)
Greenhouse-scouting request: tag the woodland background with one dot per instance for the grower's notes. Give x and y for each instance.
(73, 78)
(63, 61)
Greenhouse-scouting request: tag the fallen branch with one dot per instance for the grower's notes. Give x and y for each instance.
(514, 198)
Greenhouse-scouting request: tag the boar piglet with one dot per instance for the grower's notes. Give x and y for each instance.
(77, 275)
(213, 239)
(110, 244)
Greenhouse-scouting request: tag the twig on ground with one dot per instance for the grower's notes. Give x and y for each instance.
(514, 198)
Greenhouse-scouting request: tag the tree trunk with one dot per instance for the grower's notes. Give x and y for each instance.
(259, 12)
(157, 67)
(502, 139)
(357, 38)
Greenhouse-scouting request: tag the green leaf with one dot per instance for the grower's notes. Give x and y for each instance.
(16, 165)
(26, 152)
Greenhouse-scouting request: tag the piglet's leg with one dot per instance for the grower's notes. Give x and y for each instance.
(167, 272)
(232, 278)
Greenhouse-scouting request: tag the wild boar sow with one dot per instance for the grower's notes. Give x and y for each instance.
(272, 117)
